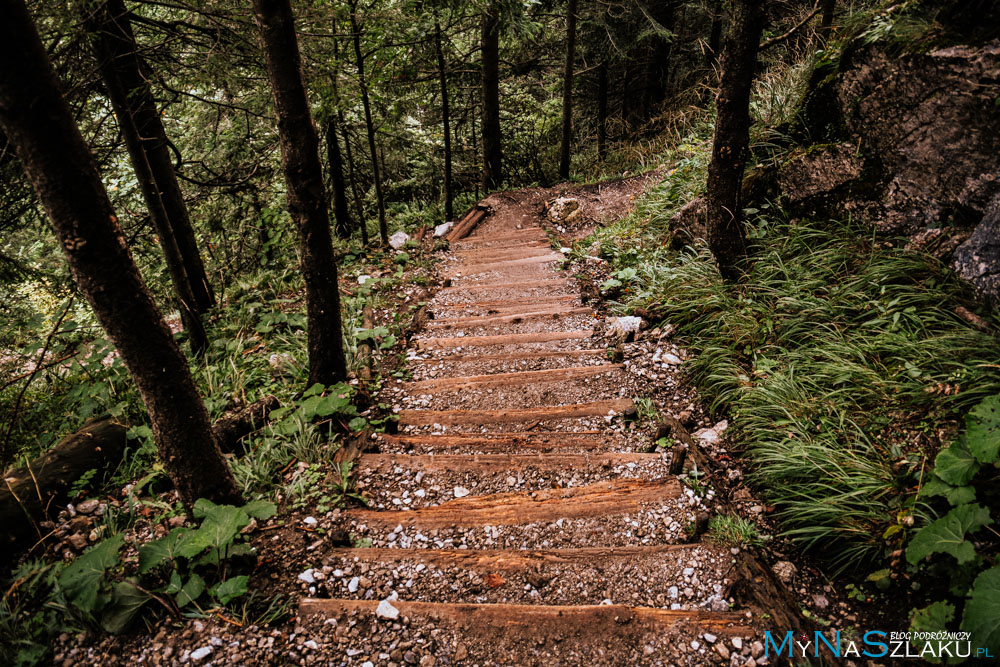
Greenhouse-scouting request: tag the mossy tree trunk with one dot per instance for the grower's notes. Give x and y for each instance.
(724, 216)
(38, 122)
(567, 107)
(490, 130)
(306, 195)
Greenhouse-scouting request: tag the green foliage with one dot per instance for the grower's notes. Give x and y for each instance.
(732, 530)
(187, 570)
(951, 535)
(815, 355)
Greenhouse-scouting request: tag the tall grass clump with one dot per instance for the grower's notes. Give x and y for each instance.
(838, 357)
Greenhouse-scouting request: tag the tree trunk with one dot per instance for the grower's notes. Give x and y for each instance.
(383, 228)
(724, 216)
(38, 121)
(115, 48)
(826, 24)
(490, 130)
(352, 176)
(118, 44)
(715, 36)
(602, 111)
(449, 207)
(335, 164)
(306, 198)
(567, 109)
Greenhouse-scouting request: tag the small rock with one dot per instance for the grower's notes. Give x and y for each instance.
(756, 649)
(352, 585)
(310, 521)
(738, 643)
(386, 610)
(88, 506)
(443, 229)
(722, 651)
(710, 638)
(627, 324)
(362, 279)
(78, 541)
(200, 653)
(461, 653)
(398, 240)
(307, 577)
(461, 492)
(820, 601)
(784, 570)
(428, 661)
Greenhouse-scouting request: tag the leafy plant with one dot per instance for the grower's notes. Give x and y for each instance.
(948, 540)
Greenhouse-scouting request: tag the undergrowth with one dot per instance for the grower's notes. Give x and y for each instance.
(839, 358)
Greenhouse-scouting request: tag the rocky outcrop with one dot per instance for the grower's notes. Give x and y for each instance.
(912, 146)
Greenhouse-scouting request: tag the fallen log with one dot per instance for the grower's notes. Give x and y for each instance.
(467, 223)
(36, 492)
(39, 490)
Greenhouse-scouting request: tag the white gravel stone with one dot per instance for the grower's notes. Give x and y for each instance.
(200, 653)
(461, 492)
(307, 576)
(398, 240)
(386, 610)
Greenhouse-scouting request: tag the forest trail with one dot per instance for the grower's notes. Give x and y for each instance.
(511, 520)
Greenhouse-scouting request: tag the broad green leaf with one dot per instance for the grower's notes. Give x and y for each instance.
(955, 463)
(175, 585)
(956, 495)
(126, 601)
(191, 591)
(357, 424)
(932, 618)
(81, 580)
(982, 611)
(947, 534)
(153, 553)
(230, 589)
(260, 509)
(982, 429)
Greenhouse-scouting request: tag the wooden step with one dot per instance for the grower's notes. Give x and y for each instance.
(543, 354)
(507, 379)
(508, 304)
(529, 233)
(503, 339)
(484, 267)
(604, 499)
(540, 414)
(490, 255)
(513, 560)
(491, 633)
(546, 313)
(507, 463)
(545, 441)
(523, 284)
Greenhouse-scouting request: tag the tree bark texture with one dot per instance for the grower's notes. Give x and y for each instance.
(490, 130)
(352, 177)
(724, 216)
(449, 204)
(383, 228)
(602, 111)
(567, 108)
(115, 49)
(715, 34)
(38, 121)
(305, 192)
(335, 165)
(111, 19)
(826, 23)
